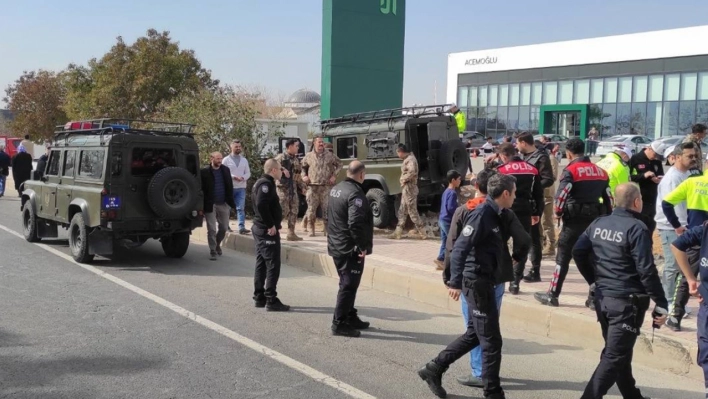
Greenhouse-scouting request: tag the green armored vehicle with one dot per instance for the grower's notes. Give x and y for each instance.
(429, 132)
(117, 183)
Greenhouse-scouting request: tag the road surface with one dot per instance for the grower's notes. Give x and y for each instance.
(142, 326)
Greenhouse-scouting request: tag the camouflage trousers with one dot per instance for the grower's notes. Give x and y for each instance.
(409, 207)
(290, 203)
(548, 223)
(317, 196)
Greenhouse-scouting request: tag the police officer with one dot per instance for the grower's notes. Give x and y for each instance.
(646, 169)
(474, 265)
(539, 158)
(266, 234)
(616, 165)
(577, 202)
(528, 205)
(697, 237)
(350, 237)
(615, 253)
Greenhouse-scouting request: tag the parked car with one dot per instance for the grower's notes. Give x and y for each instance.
(634, 141)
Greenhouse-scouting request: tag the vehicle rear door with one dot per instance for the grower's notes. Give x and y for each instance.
(48, 197)
(66, 185)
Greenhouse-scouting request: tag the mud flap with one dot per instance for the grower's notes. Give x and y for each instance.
(100, 242)
(46, 229)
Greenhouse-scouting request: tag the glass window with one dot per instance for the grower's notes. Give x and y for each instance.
(687, 116)
(491, 119)
(656, 88)
(483, 92)
(582, 92)
(53, 165)
(653, 124)
(117, 163)
(702, 111)
(144, 161)
(672, 86)
(514, 98)
(535, 115)
(524, 122)
(565, 92)
(526, 94)
(611, 90)
(689, 81)
(550, 93)
(91, 165)
(513, 120)
(462, 96)
(596, 91)
(608, 119)
(473, 97)
(670, 117)
(504, 95)
(624, 93)
(703, 86)
(536, 93)
(640, 89)
(493, 95)
(639, 117)
(69, 163)
(502, 115)
(595, 116)
(346, 147)
(623, 118)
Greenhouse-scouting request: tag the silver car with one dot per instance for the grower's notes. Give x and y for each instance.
(633, 141)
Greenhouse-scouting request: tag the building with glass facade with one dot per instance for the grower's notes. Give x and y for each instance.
(653, 84)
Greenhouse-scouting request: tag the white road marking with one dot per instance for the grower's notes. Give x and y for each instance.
(247, 342)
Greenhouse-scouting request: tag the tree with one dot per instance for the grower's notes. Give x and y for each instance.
(131, 81)
(36, 100)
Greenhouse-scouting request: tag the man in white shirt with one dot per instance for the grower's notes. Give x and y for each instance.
(240, 173)
(685, 161)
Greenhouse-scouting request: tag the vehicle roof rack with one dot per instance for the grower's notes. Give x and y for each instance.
(131, 126)
(390, 114)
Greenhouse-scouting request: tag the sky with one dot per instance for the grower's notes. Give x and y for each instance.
(277, 44)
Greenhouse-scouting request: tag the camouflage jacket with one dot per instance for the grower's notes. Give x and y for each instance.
(292, 165)
(409, 171)
(320, 167)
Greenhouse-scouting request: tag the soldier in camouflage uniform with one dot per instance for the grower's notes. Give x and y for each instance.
(319, 171)
(409, 194)
(698, 133)
(289, 185)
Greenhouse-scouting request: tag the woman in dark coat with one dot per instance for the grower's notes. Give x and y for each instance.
(21, 168)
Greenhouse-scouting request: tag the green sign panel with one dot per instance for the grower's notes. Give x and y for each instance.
(362, 55)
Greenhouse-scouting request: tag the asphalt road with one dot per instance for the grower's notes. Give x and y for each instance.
(142, 326)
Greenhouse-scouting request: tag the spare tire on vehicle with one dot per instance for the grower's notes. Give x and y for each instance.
(454, 156)
(172, 193)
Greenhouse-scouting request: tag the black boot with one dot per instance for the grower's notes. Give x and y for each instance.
(533, 276)
(514, 288)
(496, 395)
(355, 322)
(344, 329)
(259, 301)
(432, 374)
(274, 305)
(546, 298)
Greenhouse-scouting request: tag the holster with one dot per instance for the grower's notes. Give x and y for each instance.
(581, 211)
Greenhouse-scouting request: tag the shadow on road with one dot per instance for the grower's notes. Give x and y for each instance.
(8, 339)
(389, 314)
(515, 384)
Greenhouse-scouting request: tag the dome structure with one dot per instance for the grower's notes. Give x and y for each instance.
(304, 98)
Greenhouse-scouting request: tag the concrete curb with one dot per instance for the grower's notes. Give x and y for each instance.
(668, 354)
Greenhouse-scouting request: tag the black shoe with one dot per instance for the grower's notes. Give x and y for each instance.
(471, 381)
(514, 288)
(244, 231)
(546, 299)
(673, 323)
(218, 250)
(496, 395)
(432, 374)
(534, 276)
(260, 301)
(345, 330)
(212, 255)
(274, 305)
(356, 323)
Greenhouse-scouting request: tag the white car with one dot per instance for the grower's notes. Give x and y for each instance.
(634, 141)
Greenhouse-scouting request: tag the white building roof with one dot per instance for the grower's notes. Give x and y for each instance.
(671, 43)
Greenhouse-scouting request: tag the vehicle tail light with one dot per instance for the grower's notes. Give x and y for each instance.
(109, 215)
(104, 192)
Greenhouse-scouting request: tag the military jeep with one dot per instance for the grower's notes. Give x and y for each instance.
(429, 132)
(115, 184)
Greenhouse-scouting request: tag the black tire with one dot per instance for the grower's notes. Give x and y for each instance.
(78, 239)
(381, 207)
(29, 223)
(172, 193)
(454, 156)
(176, 245)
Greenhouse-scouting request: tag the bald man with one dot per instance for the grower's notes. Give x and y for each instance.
(350, 237)
(615, 254)
(218, 202)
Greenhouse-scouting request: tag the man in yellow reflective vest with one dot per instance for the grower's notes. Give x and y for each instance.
(459, 118)
(616, 165)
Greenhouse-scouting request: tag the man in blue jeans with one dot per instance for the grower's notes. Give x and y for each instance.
(240, 173)
(5, 163)
(447, 209)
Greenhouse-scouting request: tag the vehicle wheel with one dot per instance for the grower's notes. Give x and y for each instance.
(78, 239)
(380, 204)
(454, 156)
(172, 193)
(29, 223)
(176, 245)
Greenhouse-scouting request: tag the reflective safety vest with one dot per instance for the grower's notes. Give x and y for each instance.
(461, 122)
(616, 169)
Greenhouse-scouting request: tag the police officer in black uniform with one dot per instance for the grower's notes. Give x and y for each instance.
(577, 202)
(350, 237)
(615, 253)
(474, 265)
(528, 205)
(266, 234)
